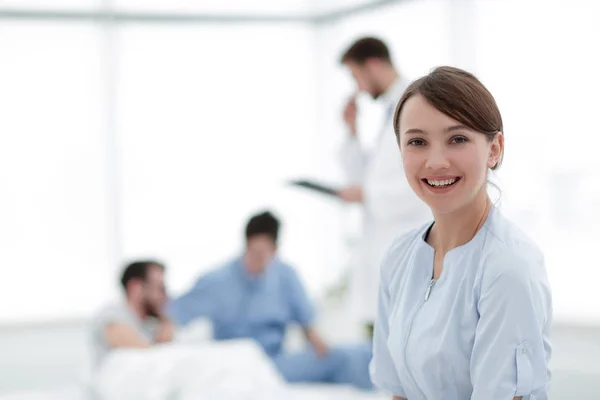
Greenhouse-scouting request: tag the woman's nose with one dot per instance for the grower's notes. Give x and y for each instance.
(437, 158)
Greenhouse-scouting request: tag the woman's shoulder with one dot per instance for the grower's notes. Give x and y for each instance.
(402, 247)
(409, 239)
(509, 250)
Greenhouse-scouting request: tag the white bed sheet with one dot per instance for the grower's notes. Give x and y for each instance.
(297, 392)
(331, 392)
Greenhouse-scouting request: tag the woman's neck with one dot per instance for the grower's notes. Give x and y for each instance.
(459, 227)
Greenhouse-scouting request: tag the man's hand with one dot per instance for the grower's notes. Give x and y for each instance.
(165, 331)
(352, 194)
(320, 347)
(350, 115)
(316, 342)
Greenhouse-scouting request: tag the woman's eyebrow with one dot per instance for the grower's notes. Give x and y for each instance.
(415, 131)
(456, 128)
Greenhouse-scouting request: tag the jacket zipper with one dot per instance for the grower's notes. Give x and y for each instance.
(428, 291)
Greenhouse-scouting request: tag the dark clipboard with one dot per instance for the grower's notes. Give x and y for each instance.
(315, 187)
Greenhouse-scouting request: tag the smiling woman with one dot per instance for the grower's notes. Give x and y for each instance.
(464, 306)
(450, 119)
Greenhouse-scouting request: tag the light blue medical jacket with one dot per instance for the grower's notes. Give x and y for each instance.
(480, 332)
(241, 305)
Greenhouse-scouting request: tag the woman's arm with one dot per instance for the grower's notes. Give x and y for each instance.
(511, 349)
(120, 335)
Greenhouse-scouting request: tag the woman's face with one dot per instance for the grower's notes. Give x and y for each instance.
(445, 162)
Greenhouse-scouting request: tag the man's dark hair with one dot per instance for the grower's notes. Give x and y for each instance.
(138, 270)
(366, 48)
(264, 223)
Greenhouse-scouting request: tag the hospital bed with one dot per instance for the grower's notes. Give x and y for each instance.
(197, 333)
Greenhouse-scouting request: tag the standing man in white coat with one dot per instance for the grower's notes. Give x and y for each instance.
(376, 177)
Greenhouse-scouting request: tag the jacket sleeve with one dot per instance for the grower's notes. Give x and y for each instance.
(353, 160)
(197, 302)
(302, 310)
(511, 350)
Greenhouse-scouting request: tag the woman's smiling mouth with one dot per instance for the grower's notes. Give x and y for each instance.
(441, 184)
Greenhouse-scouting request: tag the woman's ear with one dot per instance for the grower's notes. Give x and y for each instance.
(496, 150)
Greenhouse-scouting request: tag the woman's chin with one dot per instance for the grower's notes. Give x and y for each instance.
(454, 206)
(441, 207)
(443, 210)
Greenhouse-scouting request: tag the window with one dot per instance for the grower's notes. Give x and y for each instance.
(54, 236)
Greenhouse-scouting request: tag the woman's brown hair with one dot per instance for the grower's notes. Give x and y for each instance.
(459, 95)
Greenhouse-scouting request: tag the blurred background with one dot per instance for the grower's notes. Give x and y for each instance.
(154, 128)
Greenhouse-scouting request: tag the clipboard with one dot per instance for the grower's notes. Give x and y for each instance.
(315, 187)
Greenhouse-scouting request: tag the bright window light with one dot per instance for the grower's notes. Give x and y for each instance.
(54, 234)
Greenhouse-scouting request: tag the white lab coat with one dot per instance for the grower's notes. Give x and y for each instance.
(390, 206)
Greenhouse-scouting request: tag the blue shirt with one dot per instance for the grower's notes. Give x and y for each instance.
(480, 332)
(241, 305)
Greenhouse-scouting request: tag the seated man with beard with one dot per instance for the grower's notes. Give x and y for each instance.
(138, 321)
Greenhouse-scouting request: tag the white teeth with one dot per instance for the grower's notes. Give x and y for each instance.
(442, 183)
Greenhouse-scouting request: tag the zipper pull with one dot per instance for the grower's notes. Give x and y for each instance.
(428, 291)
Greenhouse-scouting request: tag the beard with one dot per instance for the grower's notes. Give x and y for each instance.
(375, 90)
(152, 310)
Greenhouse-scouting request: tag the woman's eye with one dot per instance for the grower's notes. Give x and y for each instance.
(416, 142)
(459, 139)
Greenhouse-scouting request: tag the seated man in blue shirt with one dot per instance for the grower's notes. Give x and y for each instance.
(256, 296)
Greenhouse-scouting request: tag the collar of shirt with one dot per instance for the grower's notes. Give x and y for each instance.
(253, 279)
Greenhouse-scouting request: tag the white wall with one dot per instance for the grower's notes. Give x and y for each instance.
(55, 243)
